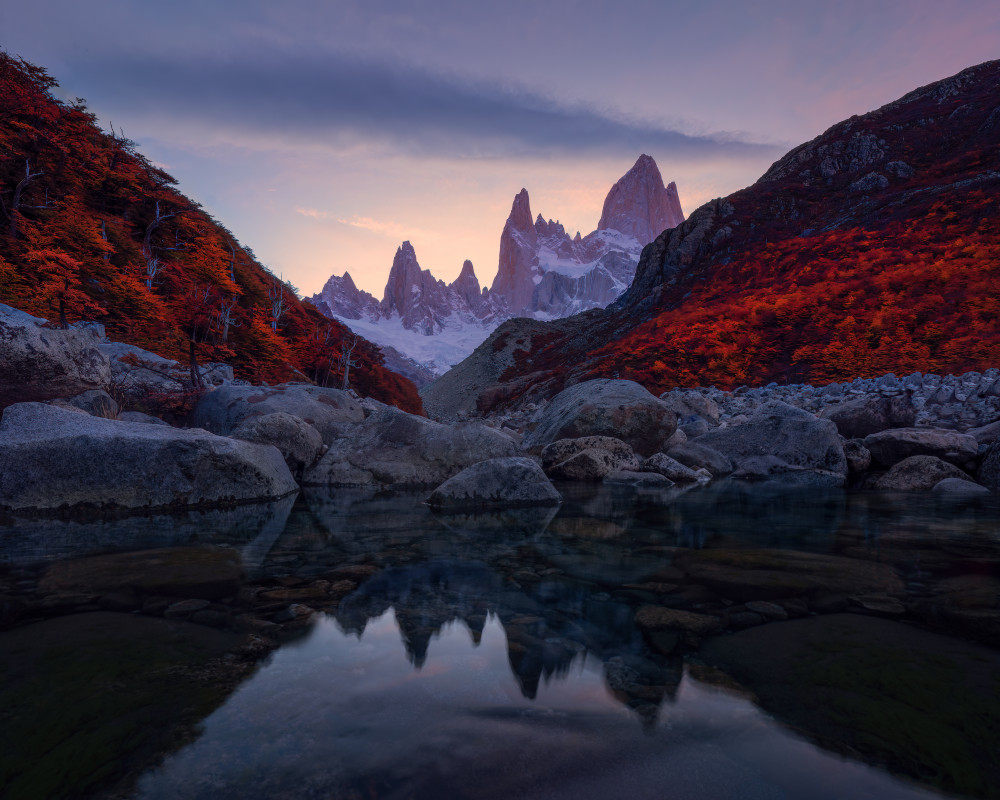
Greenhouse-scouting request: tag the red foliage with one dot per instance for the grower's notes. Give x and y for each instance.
(832, 307)
(92, 230)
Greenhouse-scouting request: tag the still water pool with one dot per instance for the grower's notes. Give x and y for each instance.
(733, 641)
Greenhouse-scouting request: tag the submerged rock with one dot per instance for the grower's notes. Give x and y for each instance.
(620, 409)
(496, 483)
(54, 458)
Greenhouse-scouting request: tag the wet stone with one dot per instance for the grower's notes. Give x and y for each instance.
(740, 620)
(184, 608)
(766, 609)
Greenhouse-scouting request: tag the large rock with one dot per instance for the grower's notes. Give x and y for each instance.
(42, 363)
(299, 442)
(918, 474)
(780, 438)
(697, 455)
(959, 487)
(621, 409)
(221, 410)
(393, 448)
(588, 458)
(97, 403)
(989, 470)
(54, 458)
(861, 417)
(139, 373)
(892, 446)
(668, 467)
(497, 483)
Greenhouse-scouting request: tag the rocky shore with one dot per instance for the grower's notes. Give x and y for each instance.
(68, 445)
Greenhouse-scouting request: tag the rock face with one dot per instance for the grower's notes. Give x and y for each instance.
(42, 363)
(53, 458)
(620, 409)
(515, 280)
(542, 272)
(496, 483)
(393, 448)
(221, 410)
(781, 439)
(639, 205)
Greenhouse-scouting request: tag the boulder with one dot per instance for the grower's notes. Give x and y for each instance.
(138, 416)
(97, 403)
(393, 448)
(640, 480)
(961, 487)
(41, 363)
(666, 466)
(140, 373)
(987, 434)
(859, 417)
(588, 458)
(622, 409)
(780, 438)
(858, 457)
(53, 458)
(222, 409)
(698, 455)
(892, 446)
(687, 403)
(989, 470)
(299, 442)
(918, 474)
(496, 483)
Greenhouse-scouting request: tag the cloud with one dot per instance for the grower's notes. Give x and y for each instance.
(387, 228)
(347, 102)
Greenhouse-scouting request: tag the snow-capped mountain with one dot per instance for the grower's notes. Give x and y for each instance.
(543, 273)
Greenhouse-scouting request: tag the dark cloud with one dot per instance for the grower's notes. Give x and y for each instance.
(340, 99)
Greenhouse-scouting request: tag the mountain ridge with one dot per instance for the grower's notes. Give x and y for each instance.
(872, 248)
(542, 272)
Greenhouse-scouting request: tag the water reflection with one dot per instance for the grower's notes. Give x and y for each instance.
(502, 654)
(340, 716)
(251, 528)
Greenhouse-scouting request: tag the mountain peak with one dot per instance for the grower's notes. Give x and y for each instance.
(520, 212)
(467, 271)
(640, 205)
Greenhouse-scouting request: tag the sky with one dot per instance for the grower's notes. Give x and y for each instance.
(323, 134)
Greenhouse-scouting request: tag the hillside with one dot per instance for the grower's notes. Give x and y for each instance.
(873, 248)
(89, 229)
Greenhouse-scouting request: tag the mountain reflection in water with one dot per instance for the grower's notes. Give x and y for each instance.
(339, 716)
(505, 655)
